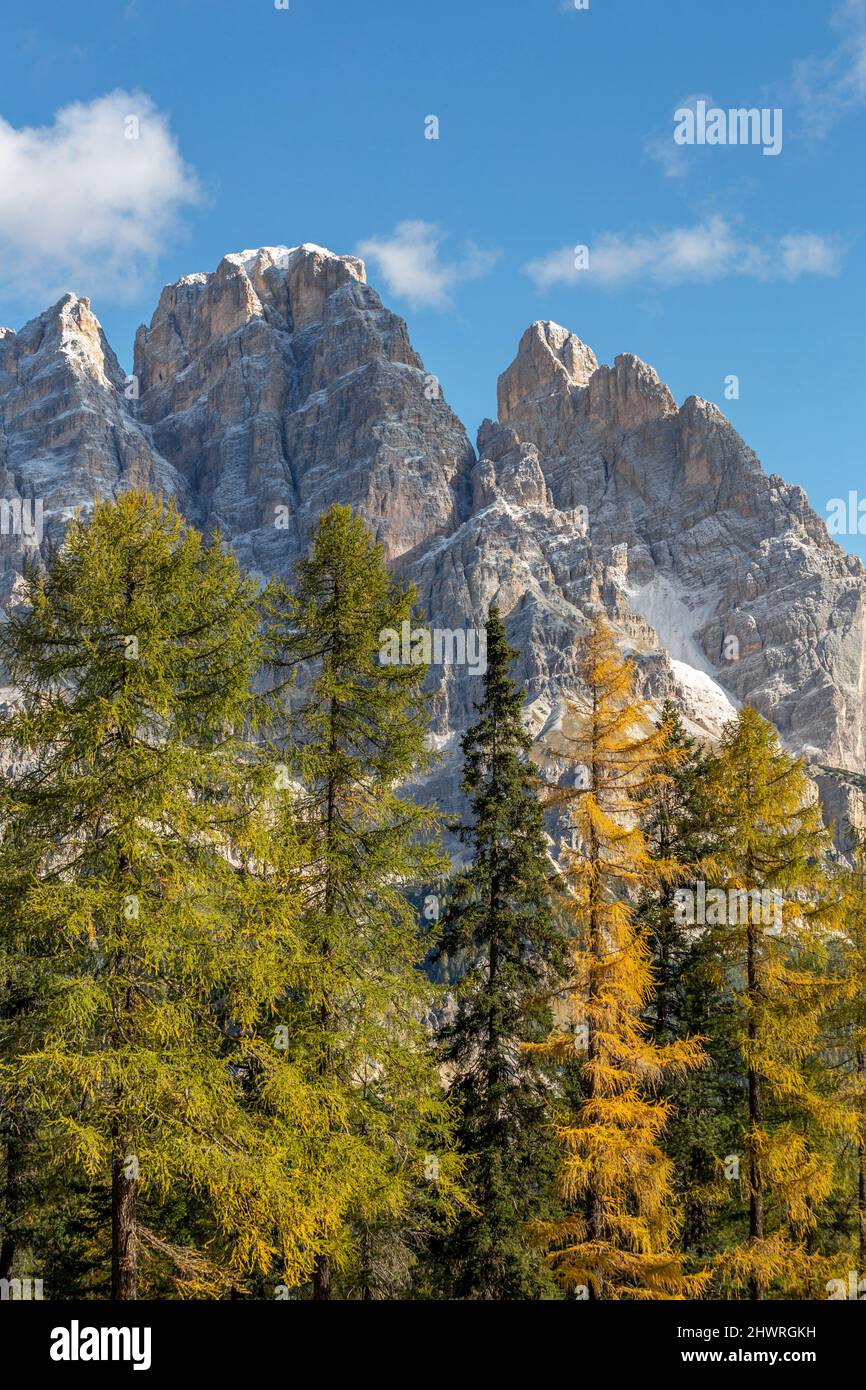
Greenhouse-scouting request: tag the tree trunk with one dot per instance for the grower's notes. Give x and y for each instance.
(756, 1181)
(322, 1271)
(861, 1187)
(11, 1204)
(595, 1205)
(322, 1277)
(367, 1265)
(124, 1246)
(695, 1225)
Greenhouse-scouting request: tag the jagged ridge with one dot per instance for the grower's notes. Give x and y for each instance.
(280, 383)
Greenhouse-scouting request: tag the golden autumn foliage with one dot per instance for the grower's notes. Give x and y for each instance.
(619, 1241)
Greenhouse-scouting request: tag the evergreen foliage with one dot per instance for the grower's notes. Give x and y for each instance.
(354, 735)
(772, 842)
(136, 957)
(225, 1070)
(500, 920)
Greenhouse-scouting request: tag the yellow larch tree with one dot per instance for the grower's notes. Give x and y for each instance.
(618, 1237)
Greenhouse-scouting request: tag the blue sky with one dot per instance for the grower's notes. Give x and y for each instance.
(261, 126)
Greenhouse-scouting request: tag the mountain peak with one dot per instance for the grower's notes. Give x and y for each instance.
(278, 383)
(549, 359)
(68, 328)
(285, 258)
(555, 379)
(629, 393)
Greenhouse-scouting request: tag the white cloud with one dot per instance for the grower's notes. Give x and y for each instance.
(82, 205)
(820, 90)
(408, 262)
(713, 249)
(828, 88)
(809, 254)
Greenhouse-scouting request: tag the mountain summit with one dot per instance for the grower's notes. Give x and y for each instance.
(279, 383)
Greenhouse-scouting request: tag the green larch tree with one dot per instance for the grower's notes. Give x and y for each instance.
(144, 954)
(355, 726)
(772, 950)
(847, 1035)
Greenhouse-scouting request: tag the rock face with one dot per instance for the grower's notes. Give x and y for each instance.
(277, 384)
(66, 432)
(731, 568)
(691, 548)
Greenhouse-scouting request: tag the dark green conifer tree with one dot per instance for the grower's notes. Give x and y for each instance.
(499, 922)
(689, 998)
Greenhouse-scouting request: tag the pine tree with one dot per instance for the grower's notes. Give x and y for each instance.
(499, 921)
(619, 1240)
(356, 734)
(688, 997)
(143, 951)
(772, 946)
(674, 824)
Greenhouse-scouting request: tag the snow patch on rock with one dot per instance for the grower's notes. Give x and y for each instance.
(705, 703)
(662, 604)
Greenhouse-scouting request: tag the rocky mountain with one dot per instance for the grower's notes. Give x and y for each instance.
(279, 383)
(67, 434)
